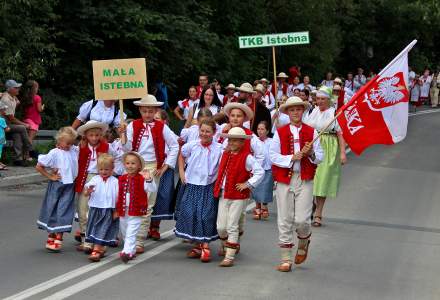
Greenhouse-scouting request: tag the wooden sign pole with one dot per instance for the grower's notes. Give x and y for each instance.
(122, 119)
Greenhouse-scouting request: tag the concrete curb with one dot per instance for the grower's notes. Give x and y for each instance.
(11, 181)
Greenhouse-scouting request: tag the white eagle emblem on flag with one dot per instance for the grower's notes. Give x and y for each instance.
(387, 91)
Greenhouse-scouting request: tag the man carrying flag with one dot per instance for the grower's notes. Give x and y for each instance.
(378, 112)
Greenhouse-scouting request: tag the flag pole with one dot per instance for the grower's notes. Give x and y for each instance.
(407, 49)
(275, 85)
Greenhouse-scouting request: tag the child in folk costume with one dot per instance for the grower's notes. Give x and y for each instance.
(263, 193)
(132, 203)
(294, 161)
(58, 208)
(197, 213)
(185, 105)
(165, 200)
(238, 114)
(149, 138)
(91, 147)
(192, 133)
(102, 226)
(232, 187)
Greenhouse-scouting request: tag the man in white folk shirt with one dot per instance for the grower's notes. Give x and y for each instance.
(294, 159)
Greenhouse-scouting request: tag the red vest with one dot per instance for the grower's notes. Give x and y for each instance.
(233, 168)
(158, 140)
(84, 161)
(285, 86)
(138, 197)
(308, 168)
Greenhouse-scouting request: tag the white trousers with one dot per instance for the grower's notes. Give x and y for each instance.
(294, 209)
(129, 228)
(228, 218)
(146, 219)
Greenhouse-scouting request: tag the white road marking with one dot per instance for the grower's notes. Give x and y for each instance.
(82, 285)
(91, 281)
(72, 274)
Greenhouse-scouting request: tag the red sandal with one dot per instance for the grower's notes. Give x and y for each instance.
(205, 255)
(195, 252)
(264, 213)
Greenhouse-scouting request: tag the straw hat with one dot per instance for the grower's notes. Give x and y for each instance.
(264, 80)
(137, 155)
(230, 87)
(148, 100)
(236, 133)
(282, 75)
(337, 80)
(91, 125)
(246, 88)
(293, 101)
(260, 88)
(249, 114)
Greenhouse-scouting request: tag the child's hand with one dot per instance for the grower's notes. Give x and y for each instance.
(90, 190)
(146, 174)
(55, 176)
(241, 186)
(122, 128)
(159, 173)
(115, 215)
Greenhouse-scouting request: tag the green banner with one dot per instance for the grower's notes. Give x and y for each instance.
(274, 40)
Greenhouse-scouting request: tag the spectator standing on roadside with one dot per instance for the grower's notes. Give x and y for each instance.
(32, 104)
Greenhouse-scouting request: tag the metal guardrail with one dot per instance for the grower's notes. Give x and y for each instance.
(42, 136)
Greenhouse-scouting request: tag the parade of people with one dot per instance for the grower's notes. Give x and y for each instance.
(236, 165)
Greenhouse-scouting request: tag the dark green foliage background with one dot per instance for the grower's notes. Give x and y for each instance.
(54, 41)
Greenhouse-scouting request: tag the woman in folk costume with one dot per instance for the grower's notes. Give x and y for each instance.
(149, 138)
(349, 82)
(282, 86)
(263, 193)
(328, 81)
(197, 211)
(294, 160)
(230, 97)
(414, 91)
(328, 173)
(208, 99)
(435, 86)
(295, 83)
(425, 81)
(184, 106)
(92, 145)
(232, 187)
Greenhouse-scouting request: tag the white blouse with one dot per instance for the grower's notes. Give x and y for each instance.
(319, 120)
(104, 193)
(99, 113)
(213, 108)
(267, 164)
(202, 162)
(283, 119)
(66, 162)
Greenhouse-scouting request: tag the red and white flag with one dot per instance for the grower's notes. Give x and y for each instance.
(378, 112)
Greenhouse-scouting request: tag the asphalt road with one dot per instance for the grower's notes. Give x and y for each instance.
(380, 240)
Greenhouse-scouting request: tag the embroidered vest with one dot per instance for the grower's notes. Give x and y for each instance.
(158, 139)
(83, 163)
(308, 168)
(233, 169)
(138, 197)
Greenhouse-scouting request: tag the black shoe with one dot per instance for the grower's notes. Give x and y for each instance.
(20, 163)
(34, 154)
